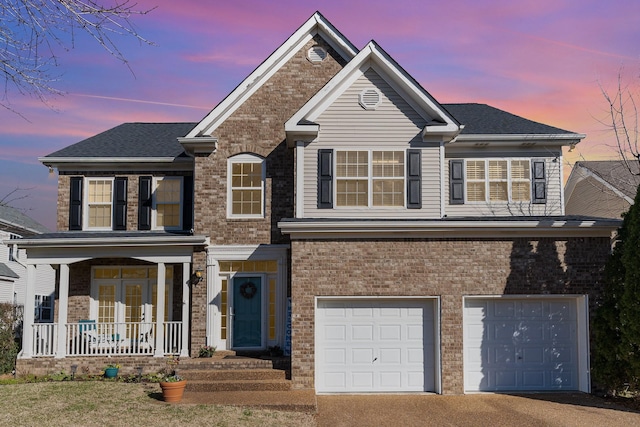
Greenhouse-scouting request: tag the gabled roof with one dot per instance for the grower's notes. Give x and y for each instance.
(316, 24)
(14, 221)
(126, 142)
(5, 271)
(302, 124)
(620, 176)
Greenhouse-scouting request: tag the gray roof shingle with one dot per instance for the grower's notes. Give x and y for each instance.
(483, 119)
(131, 140)
(5, 271)
(16, 221)
(617, 173)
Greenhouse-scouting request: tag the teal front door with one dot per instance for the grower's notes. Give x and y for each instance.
(247, 312)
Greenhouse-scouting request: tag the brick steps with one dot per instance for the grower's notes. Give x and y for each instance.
(238, 385)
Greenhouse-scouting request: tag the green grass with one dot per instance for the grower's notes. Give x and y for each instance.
(104, 403)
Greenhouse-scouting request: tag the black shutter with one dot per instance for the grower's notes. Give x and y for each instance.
(75, 204)
(414, 179)
(144, 203)
(187, 203)
(120, 204)
(539, 183)
(325, 179)
(456, 182)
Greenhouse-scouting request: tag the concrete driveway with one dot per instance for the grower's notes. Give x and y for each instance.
(562, 409)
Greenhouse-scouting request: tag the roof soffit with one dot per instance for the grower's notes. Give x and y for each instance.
(371, 57)
(316, 24)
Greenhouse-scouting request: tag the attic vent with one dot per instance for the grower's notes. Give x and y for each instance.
(370, 98)
(317, 54)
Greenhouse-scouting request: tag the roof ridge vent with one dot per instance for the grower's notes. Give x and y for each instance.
(370, 98)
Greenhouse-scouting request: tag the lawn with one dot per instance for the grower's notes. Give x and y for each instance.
(106, 403)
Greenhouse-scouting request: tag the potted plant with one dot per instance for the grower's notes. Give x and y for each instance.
(111, 371)
(206, 351)
(171, 383)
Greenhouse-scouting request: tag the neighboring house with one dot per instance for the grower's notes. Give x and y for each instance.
(603, 188)
(410, 245)
(13, 269)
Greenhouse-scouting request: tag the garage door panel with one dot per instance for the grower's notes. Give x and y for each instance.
(521, 344)
(387, 346)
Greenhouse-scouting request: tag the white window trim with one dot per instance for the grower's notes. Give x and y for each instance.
(38, 306)
(245, 158)
(370, 179)
(154, 214)
(85, 202)
(486, 181)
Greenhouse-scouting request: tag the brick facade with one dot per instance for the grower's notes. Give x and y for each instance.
(257, 127)
(449, 269)
(133, 182)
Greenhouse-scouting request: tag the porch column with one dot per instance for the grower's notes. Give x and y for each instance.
(28, 313)
(159, 347)
(186, 288)
(63, 311)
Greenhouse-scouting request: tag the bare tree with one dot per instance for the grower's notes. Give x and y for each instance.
(622, 120)
(32, 30)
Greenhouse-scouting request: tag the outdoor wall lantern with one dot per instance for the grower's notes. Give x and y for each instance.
(197, 276)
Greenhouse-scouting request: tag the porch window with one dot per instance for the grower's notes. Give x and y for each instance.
(246, 186)
(43, 309)
(99, 203)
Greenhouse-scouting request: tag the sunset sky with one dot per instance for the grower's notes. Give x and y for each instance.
(545, 60)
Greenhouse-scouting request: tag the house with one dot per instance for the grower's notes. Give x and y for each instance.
(330, 205)
(14, 224)
(604, 188)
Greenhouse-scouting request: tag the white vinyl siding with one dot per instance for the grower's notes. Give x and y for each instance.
(520, 204)
(393, 126)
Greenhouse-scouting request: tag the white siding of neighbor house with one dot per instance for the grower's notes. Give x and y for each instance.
(45, 276)
(553, 206)
(393, 125)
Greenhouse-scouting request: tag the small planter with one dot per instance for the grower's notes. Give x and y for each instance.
(110, 372)
(172, 391)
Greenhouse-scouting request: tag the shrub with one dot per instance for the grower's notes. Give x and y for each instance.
(9, 322)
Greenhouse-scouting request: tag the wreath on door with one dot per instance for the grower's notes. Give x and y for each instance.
(248, 290)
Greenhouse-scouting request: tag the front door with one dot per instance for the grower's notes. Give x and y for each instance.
(246, 312)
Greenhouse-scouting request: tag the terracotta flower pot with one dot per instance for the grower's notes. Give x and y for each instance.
(172, 392)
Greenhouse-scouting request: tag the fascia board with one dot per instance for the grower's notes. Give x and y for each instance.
(50, 161)
(109, 163)
(199, 145)
(442, 229)
(587, 173)
(270, 66)
(548, 139)
(103, 242)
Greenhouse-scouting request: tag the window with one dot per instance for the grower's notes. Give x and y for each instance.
(365, 178)
(498, 180)
(246, 186)
(168, 202)
(99, 202)
(43, 308)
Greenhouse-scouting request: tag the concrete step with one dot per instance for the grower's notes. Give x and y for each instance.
(237, 385)
(232, 374)
(293, 400)
(225, 363)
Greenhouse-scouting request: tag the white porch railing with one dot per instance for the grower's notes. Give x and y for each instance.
(98, 339)
(45, 339)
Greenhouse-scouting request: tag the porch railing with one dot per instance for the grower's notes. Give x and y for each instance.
(89, 338)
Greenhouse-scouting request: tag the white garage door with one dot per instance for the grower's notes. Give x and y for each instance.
(375, 345)
(517, 344)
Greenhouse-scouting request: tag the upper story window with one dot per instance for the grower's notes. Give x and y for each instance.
(246, 177)
(497, 180)
(370, 178)
(99, 203)
(168, 202)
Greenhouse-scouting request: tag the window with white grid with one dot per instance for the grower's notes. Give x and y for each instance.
(370, 178)
(99, 203)
(498, 180)
(246, 186)
(168, 198)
